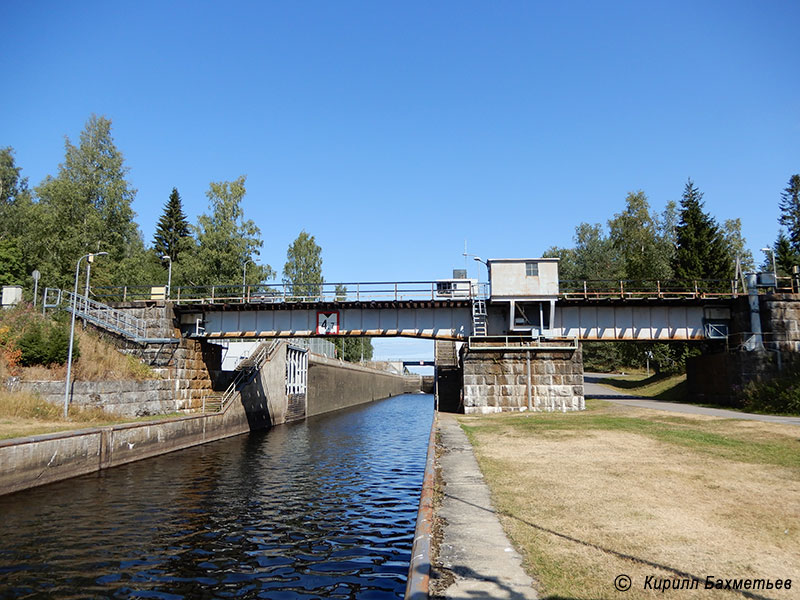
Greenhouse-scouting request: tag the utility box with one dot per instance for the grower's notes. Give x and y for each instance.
(12, 295)
(456, 288)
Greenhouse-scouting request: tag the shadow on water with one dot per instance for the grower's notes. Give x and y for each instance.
(325, 507)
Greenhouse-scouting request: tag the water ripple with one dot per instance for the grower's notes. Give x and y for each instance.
(320, 509)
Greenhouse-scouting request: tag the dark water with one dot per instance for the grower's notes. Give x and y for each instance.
(324, 508)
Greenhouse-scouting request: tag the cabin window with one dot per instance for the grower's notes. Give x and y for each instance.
(532, 269)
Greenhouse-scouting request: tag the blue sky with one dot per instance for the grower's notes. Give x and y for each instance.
(393, 132)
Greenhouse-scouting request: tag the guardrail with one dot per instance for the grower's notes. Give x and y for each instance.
(301, 292)
(269, 293)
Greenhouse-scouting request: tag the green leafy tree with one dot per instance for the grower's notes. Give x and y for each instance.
(303, 269)
(173, 234)
(736, 247)
(86, 207)
(701, 251)
(15, 197)
(790, 211)
(637, 237)
(12, 270)
(226, 242)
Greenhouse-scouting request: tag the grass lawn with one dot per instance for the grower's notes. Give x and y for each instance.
(616, 490)
(670, 388)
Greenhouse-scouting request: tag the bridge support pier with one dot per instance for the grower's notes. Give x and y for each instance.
(502, 380)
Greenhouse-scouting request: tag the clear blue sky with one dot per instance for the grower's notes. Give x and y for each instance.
(395, 131)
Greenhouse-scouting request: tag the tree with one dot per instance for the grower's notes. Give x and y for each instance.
(303, 269)
(172, 233)
(701, 251)
(790, 211)
(226, 242)
(12, 271)
(14, 194)
(785, 256)
(637, 237)
(87, 206)
(736, 246)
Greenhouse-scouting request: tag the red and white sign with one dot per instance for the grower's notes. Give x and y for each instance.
(327, 322)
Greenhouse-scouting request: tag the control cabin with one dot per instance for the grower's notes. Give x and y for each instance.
(527, 290)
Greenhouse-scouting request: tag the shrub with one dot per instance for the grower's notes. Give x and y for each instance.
(780, 395)
(45, 344)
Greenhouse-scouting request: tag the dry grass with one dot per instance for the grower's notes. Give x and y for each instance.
(24, 414)
(99, 361)
(586, 497)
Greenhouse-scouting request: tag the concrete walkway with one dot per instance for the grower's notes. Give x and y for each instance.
(593, 389)
(474, 547)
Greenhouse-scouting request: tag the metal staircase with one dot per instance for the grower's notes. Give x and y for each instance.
(245, 371)
(103, 316)
(479, 317)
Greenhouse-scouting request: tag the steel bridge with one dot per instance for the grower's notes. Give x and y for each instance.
(586, 310)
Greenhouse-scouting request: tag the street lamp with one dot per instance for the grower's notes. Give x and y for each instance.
(169, 274)
(774, 266)
(90, 258)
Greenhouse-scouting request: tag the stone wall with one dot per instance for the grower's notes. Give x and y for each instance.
(496, 381)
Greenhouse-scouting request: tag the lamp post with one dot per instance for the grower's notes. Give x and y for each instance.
(244, 277)
(774, 266)
(488, 268)
(169, 274)
(89, 257)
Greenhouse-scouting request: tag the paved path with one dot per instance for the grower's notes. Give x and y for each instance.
(474, 546)
(593, 389)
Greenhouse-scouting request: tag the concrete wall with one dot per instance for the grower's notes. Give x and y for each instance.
(265, 397)
(333, 384)
(496, 381)
(33, 461)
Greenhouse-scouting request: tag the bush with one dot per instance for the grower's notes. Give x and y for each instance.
(45, 344)
(781, 395)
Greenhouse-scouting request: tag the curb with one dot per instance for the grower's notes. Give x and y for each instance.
(420, 567)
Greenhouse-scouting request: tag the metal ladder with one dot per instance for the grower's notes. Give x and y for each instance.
(479, 317)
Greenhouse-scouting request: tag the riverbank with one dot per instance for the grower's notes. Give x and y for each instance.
(616, 490)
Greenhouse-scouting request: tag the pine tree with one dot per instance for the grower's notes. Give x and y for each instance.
(173, 230)
(785, 256)
(701, 251)
(790, 211)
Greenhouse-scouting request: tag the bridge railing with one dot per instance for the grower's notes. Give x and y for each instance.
(395, 291)
(649, 289)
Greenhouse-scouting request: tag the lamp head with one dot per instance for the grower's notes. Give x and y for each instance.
(166, 257)
(766, 249)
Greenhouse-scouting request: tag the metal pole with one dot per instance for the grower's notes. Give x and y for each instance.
(72, 330)
(530, 400)
(72, 336)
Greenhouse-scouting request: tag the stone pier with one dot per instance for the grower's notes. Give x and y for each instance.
(502, 380)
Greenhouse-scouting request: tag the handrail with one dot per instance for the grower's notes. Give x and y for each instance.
(105, 316)
(262, 353)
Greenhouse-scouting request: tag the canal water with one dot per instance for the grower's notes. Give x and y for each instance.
(324, 508)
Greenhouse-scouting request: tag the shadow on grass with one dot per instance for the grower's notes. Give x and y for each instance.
(609, 551)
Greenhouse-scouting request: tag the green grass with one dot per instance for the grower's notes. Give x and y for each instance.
(669, 388)
(718, 437)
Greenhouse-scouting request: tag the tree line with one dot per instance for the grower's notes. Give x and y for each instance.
(682, 244)
(87, 208)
